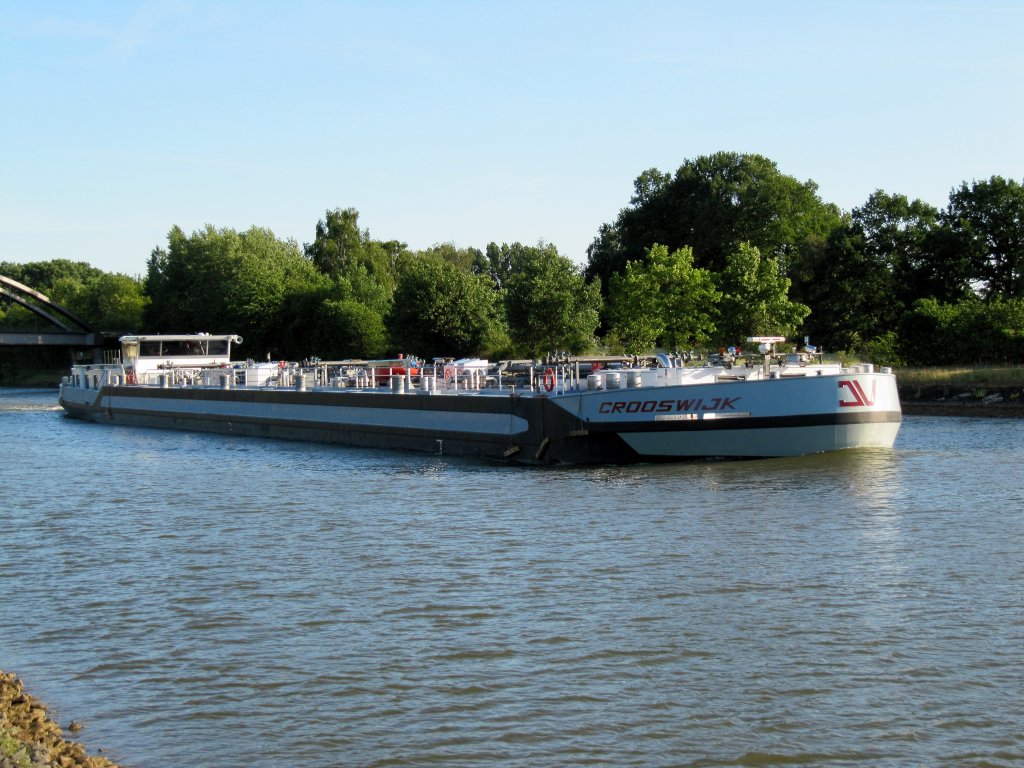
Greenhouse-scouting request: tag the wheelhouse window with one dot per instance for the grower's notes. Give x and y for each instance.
(182, 348)
(178, 349)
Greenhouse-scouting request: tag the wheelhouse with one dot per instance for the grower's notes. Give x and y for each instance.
(141, 354)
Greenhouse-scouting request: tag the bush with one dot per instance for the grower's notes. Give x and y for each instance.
(884, 350)
(969, 331)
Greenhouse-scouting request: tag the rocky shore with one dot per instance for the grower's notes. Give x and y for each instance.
(30, 739)
(955, 400)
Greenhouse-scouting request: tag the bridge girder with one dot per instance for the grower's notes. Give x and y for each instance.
(52, 339)
(73, 333)
(25, 291)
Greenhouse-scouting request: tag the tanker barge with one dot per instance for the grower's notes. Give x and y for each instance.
(574, 411)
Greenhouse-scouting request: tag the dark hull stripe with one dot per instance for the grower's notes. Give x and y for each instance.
(752, 422)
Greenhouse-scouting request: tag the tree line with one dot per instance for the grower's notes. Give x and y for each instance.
(724, 247)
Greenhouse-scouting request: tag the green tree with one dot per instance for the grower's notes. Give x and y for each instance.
(441, 310)
(897, 235)
(909, 240)
(364, 269)
(713, 204)
(890, 253)
(265, 273)
(338, 241)
(42, 276)
(223, 281)
(499, 260)
(943, 271)
(347, 329)
(549, 305)
(663, 300)
(850, 293)
(112, 302)
(986, 220)
(755, 298)
(471, 260)
(318, 321)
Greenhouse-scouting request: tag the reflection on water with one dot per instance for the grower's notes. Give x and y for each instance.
(208, 600)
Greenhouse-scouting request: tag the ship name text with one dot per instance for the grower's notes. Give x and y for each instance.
(668, 406)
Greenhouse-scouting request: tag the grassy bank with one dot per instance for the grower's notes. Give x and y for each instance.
(962, 390)
(991, 377)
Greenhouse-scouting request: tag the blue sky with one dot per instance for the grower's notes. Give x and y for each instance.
(472, 122)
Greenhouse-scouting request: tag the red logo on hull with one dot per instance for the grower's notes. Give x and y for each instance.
(860, 397)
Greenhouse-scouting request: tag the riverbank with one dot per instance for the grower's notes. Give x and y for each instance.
(30, 739)
(956, 400)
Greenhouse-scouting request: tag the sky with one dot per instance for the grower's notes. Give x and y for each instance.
(474, 122)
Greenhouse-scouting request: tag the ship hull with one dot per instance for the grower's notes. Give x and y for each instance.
(719, 420)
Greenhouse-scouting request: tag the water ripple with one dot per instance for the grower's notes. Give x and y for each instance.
(220, 601)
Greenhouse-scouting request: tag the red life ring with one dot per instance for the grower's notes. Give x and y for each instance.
(549, 379)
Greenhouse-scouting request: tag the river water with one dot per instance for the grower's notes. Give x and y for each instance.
(215, 601)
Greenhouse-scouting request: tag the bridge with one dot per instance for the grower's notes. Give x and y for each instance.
(70, 330)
